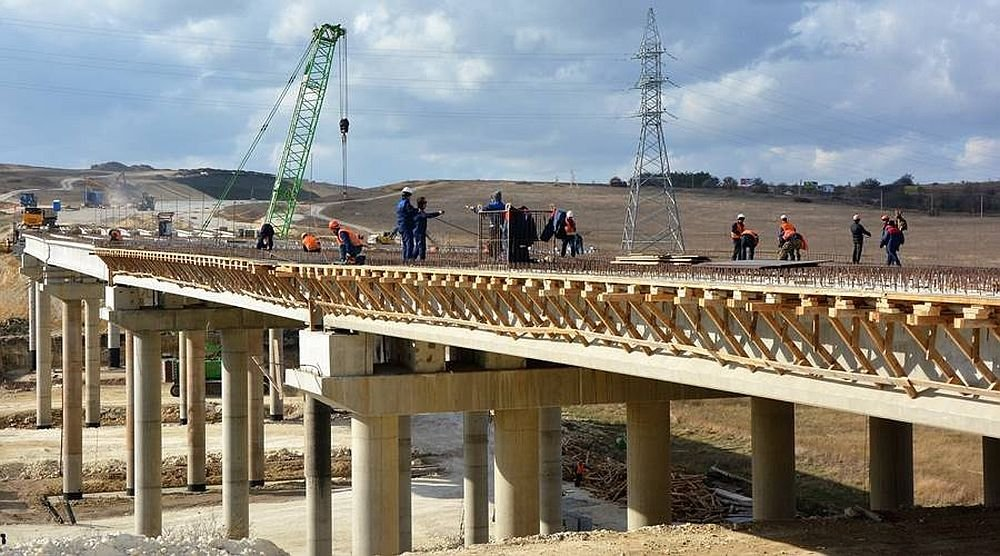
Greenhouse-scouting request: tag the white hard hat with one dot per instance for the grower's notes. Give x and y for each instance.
(569, 214)
(740, 215)
(408, 190)
(857, 217)
(783, 217)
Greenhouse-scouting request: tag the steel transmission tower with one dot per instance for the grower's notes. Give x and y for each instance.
(651, 216)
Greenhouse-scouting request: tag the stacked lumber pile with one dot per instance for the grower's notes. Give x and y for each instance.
(655, 259)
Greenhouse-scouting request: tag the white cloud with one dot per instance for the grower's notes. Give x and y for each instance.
(980, 152)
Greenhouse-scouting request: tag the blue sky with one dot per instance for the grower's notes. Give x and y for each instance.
(830, 91)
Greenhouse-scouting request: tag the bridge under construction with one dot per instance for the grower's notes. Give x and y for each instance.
(901, 346)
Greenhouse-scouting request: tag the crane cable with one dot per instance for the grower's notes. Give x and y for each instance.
(344, 122)
(256, 140)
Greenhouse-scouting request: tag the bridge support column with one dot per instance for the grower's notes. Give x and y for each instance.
(114, 346)
(43, 358)
(515, 472)
(772, 429)
(890, 445)
(195, 370)
(319, 502)
(235, 485)
(32, 324)
(648, 461)
(276, 361)
(72, 404)
(475, 485)
(550, 470)
(375, 482)
(991, 472)
(92, 360)
(405, 485)
(182, 357)
(129, 413)
(255, 406)
(148, 481)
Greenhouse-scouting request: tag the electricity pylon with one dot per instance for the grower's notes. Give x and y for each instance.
(651, 215)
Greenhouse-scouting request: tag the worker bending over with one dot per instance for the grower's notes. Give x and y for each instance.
(310, 243)
(351, 244)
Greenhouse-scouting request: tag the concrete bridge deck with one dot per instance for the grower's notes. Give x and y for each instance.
(902, 346)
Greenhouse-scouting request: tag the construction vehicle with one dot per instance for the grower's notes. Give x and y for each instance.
(93, 198)
(28, 200)
(315, 65)
(38, 217)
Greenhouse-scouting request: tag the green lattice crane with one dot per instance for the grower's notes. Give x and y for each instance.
(295, 156)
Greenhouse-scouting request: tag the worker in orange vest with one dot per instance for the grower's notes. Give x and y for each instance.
(570, 237)
(736, 234)
(310, 243)
(351, 244)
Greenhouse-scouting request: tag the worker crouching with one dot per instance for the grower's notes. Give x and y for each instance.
(351, 243)
(310, 243)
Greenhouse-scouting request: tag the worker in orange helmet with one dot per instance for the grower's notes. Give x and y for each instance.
(310, 243)
(351, 243)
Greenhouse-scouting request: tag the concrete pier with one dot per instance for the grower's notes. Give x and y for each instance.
(648, 462)
(114, 346)
(991, 472)
(92, 360)
(43, 358)
(772, 429)
(890, 469)
(129, 413)
(182, 405)
(235, 485)
(72, 403)
(32, 323)
(475, 485)
(276, 361)
(550, 470)
(515, 475)
(319, 501)
(195, 371)
(255, 406)
(148, 481)
(375, 485)
(405, 490)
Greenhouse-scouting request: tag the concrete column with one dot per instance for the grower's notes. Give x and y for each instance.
(255, 406)
(43, 358)
(182, 377)
(195, 349)
(32, 324)
(475, 487)
(515, 472)
(890, 469)
(549, 470)
(405, 491)
(648, 463)
(235, 487)
(148, 482)
(129, 413)
(72, 402)
(114, 346)
(92, 360)
(276, 361)
(375, 485)
(319, 502)
(772, 429)
(991, 472)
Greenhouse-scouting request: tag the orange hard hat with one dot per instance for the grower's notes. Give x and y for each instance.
(334, 224)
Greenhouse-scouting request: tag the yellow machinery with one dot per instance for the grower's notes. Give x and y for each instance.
(38, 217)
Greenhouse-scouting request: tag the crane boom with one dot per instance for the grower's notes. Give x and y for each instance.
(305, 117)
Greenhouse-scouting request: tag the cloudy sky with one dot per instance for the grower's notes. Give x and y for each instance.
(831, 91)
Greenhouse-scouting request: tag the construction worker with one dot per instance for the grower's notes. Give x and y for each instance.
(351, 244)
(420, 227)
(405, 213)
(114, 233)
(790, 241)
(310, 243)
(570, 236)
(892, 240)
(748, 244)
(265, 237)
(858, 233)
(736, 234)
(555, 225)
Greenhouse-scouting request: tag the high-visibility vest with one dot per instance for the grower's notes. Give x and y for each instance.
(352, 236)
(737, 230)
(311, 243)
(570, 226)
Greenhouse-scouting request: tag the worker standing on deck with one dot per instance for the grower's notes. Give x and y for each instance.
(310, 243)
(405, 213)
(570, 236)
(892, 239)
(351, 244)
(858, 233)
(420, 228)
(736, 234)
